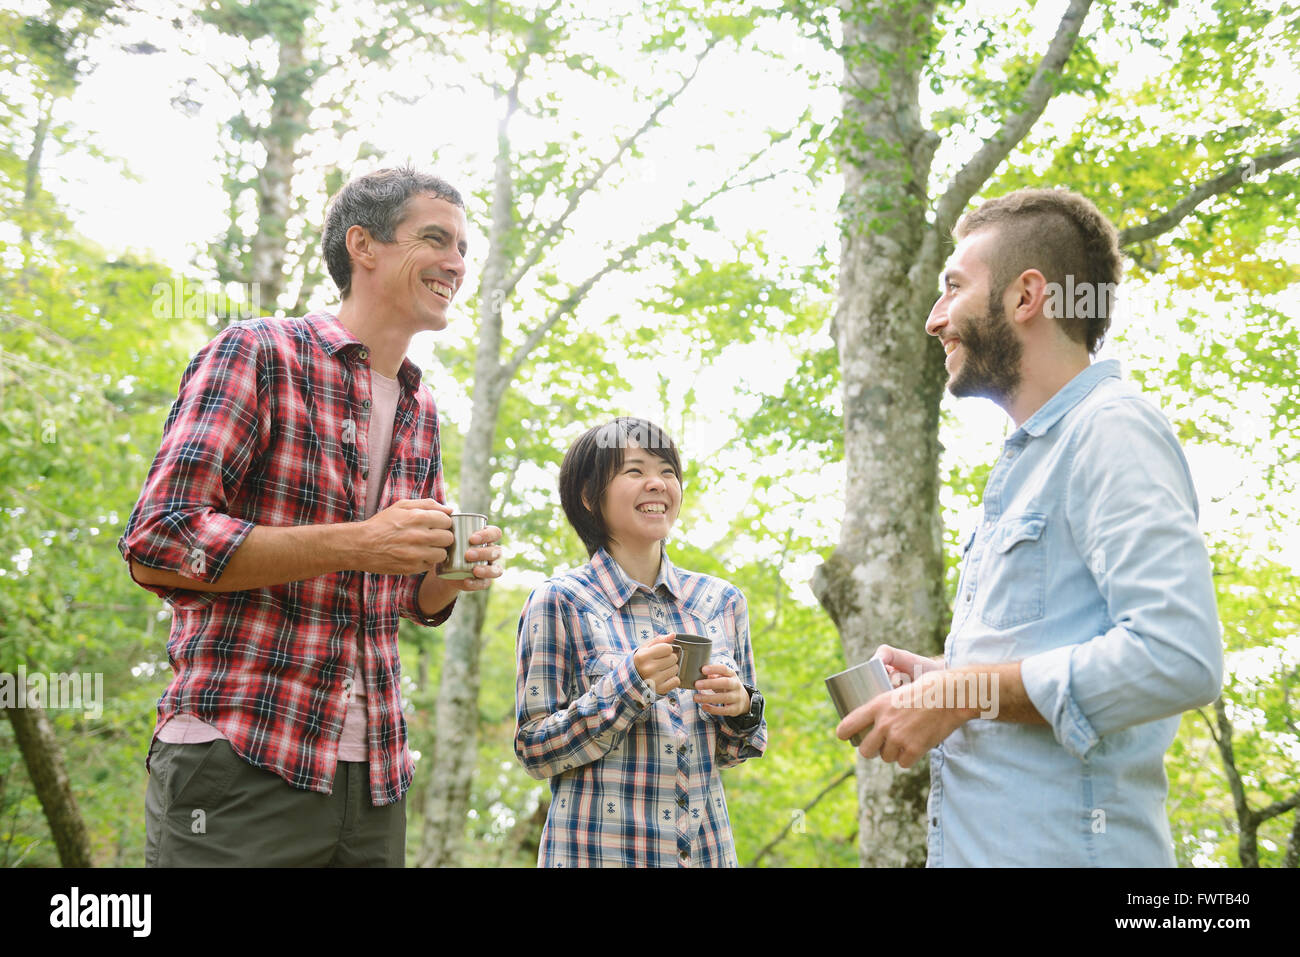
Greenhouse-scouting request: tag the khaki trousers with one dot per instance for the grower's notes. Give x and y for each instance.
(207, 807)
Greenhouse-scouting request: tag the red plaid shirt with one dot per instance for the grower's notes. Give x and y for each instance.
(270, 428)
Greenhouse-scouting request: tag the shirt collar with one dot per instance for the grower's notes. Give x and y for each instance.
(618, 588)
(335, 338)
(1071, 395)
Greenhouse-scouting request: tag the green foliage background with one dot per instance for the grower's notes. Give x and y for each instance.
(89, 366)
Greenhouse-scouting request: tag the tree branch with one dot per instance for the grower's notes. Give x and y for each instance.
(1223, 183)
(551, 231)
(1208, 724)
(1224, 742)
(571, 301)
(968, 180)
(507, 490)
(775, 620)
(785, 831)
(1278, 807)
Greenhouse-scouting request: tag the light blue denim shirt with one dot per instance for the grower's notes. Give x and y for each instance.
(1088, 568)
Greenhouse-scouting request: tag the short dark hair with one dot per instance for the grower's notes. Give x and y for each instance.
(1061, 234)
(377, 202)
(590, 465)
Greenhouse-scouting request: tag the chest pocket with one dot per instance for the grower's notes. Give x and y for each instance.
(600, 651)
(408, 477)
(1014, 575)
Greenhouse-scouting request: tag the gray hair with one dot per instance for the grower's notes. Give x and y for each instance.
(377, 202)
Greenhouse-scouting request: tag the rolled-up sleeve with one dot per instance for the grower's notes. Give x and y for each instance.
(215, 430)
(1131, 508)
(556, 730)
(408, 605)
(736, 745)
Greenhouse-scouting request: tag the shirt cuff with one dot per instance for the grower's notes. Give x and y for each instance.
(630, 686)
(202, 555)
(738, 726)
(412, 604)
(1046, 678)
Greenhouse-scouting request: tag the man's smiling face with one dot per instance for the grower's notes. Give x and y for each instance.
(421, 270)
(983, 350)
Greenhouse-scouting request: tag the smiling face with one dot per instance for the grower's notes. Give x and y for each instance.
(983, 350)
(418, 274)
(641, 501)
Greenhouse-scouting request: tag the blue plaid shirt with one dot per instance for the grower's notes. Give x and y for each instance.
(634, 776)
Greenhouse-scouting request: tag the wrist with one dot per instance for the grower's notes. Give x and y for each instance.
(347, 541)
(752, 717)
(435, 594)
(965, 692)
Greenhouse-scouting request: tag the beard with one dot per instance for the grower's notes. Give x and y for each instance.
(990, 366)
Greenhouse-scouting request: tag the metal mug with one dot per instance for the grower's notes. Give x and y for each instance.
(463, 525)
(854, 687)
(693, 652)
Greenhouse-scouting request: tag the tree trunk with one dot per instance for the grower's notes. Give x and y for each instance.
(44, 760)
(32, 171)
(289, 114)
(1292, 858)
(455, 752)
(884, 581)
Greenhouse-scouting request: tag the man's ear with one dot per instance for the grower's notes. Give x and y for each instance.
(360, 245)
(1031, 295)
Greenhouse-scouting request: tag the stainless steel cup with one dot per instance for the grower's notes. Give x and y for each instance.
(463, 525)
(856, 686)
(693, 653)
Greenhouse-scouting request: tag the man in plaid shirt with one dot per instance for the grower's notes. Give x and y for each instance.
(293, 512)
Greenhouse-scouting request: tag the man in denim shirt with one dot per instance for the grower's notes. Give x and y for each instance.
(1085, 620)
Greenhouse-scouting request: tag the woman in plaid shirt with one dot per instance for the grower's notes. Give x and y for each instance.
(633, 758)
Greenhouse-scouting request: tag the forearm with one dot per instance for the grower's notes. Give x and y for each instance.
(435, 594)
(271, 555)
(553, 737)
(997, 692)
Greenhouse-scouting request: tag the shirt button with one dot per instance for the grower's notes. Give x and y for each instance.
(681, 802)
(365, 404)
(934, 821)
(364, 353)
(365, 473)
(969, 594)
(684, 856)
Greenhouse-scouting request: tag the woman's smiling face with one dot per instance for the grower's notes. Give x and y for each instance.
(641, 502)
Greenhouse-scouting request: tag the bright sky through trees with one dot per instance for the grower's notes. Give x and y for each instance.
(432, 113)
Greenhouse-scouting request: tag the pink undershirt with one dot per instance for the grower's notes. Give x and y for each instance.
(187, 729)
